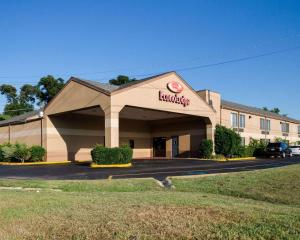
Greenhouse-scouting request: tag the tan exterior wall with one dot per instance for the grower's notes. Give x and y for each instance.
(72, 136)
(190, 133)
(146, 95)
(76, 96)
(252, 127)
(29, 133)
(4, 132)
(213, 99)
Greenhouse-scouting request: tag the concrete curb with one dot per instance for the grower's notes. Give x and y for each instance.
(93, 165)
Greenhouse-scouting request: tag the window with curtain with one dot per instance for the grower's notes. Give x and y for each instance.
(285, 127)
(234, 120)
(265, 124)
(242, 121)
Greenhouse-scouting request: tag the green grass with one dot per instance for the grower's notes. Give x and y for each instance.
(280, 185)
(253, 205)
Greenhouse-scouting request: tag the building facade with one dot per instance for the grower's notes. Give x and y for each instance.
(160, 116)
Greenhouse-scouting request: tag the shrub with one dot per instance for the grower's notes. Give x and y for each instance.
(116, 155)
(206, 148)
(21, 153)
(37, 153)
(258, 146)
(2, 158)
(227, 141)
(246, 151)
(8, 152)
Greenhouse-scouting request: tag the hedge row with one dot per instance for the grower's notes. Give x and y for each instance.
(20, 152)
(116, 155)
(228, 144)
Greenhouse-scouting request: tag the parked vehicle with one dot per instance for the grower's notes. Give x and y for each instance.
(279, 149)
(295, 150)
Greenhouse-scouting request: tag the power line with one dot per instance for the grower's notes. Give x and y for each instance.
(178, 69)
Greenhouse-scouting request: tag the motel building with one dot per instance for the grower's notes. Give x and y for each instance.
(159, 116)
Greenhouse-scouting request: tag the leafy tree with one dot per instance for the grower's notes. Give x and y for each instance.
(274, 110)
(120, 80)
(9, 91)
(17, 108)
(47, 88)
(4, 117)
(227, 141)
(17, 104)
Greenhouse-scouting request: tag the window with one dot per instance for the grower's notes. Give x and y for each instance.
(237, 120)
(243, 141)
(298, 129)
(265, 124)
(285, 127)
(268, 124)
(242, 121)
(234, 120)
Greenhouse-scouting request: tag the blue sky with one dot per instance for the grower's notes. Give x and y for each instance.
(101, 39)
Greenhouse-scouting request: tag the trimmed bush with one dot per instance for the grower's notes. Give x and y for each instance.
(7, 152)
(116, 155)
(37, 153)
(246, 151)
(259, 147)
(206, 148)
(21, 153)
(2, 157)
(227, 141)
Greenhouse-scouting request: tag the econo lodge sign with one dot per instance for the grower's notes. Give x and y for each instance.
(175, 88)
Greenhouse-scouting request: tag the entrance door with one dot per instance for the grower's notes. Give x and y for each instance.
(175, 146)
(159, 147)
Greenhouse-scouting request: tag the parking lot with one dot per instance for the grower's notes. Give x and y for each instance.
(141, 169)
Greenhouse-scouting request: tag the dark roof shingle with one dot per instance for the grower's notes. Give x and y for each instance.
(21, 118)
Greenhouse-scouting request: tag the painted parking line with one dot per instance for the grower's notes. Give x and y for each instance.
(200, 171)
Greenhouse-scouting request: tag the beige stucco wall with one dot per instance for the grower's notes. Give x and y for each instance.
(252, 127)
(76, 96)
(29, 133)
(146, 95)
(72, 136)
(4, 131)
(214, 99)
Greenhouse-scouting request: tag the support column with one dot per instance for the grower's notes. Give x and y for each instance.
(111, 128)
(210, 133)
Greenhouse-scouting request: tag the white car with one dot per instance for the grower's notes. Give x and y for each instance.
(295, 150)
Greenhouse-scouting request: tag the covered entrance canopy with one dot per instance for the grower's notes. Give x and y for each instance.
(148, 115)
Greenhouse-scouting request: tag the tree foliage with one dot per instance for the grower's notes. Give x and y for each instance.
(47, 88)
(274, 110)
(29, 95)
(121, 79)
(18, 103)
(227, 141)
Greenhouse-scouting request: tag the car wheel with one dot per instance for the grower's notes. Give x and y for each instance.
(283, 155)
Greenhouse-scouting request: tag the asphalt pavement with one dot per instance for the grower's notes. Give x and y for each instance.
(158, 169)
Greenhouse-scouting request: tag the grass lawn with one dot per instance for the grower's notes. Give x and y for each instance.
(263, 204)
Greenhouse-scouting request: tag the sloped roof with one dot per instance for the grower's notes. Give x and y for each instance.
(109, 88)
(254, 110)
(21, 118)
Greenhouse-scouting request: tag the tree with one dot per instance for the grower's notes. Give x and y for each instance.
(274, 110)
(9, 91)
(47, 88)
(120, 80)
(227, 141)
(18, 104)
